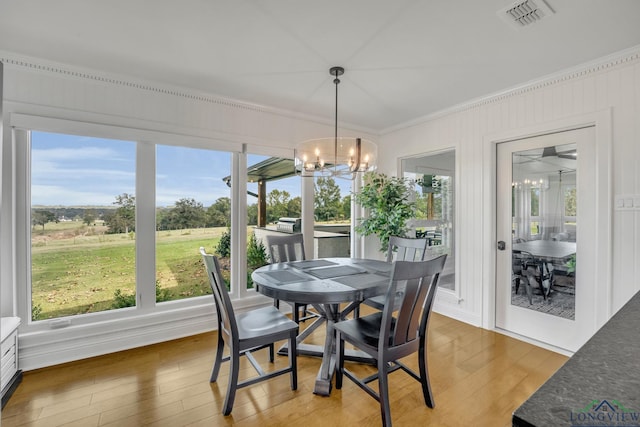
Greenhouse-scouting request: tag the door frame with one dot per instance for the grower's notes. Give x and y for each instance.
(602, 121)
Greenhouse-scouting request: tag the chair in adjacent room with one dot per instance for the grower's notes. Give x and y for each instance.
(387, 338)
(405, 249)
(247, 332)
(287, 248)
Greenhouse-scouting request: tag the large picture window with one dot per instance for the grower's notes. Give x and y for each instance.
(112, 225)
(82, 225)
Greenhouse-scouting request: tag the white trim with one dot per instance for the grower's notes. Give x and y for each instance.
(112, 131)
(541, 344)
(42, 65)
(603, 125)
(51, 347)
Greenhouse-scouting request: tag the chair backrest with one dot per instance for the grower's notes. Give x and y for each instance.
(406, 249)
(226, 317)
(521, 260)
(285, 248)
(420, 280)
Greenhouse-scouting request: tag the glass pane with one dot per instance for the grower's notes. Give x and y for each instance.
(273, 192)
(83, 225)
(434, 177)
(544, 229)
(193, 209)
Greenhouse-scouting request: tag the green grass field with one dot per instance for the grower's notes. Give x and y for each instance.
(76, 269)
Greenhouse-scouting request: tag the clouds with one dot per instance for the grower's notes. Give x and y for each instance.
(68, 170)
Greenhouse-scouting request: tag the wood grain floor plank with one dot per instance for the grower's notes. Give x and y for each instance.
(479, 378)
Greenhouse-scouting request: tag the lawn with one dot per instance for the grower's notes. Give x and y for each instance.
(77, 270)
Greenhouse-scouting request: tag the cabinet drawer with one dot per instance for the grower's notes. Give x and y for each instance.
(10, 343)
(8, 369)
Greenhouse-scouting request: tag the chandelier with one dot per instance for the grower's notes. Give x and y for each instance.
(341, 157)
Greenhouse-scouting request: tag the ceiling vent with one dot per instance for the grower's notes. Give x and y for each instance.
(524, 13)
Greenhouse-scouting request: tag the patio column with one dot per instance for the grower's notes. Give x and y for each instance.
(308, 219)
(262, 203)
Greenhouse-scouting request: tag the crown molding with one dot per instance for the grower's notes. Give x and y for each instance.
(44, 66)
(580, 71)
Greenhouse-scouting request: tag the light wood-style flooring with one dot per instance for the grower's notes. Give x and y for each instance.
(479, 378)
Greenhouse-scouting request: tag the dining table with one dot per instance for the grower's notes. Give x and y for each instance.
(548, 249)
(334, 287)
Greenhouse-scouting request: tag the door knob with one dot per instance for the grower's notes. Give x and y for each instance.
(502, 245)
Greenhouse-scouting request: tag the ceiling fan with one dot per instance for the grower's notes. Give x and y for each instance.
(551, 152)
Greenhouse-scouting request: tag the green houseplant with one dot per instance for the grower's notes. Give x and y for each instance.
(387, 201)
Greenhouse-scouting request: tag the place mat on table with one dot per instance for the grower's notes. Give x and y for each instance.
(361, 281)
(330, 272)
(311, 263)
(376, 266)
(285, 277)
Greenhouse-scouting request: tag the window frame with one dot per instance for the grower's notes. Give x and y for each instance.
(146, 141)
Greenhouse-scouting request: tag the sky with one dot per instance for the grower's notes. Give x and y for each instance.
(69, 170)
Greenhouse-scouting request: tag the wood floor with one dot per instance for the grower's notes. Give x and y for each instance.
(478, 377)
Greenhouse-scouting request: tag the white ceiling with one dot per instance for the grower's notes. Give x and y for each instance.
(403, 58)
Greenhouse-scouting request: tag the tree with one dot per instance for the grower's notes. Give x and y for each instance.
(327, 199)
(294, 207)
(41, 217)
(252, 214)
(123, 219)
(277, 202)
(187, 213)
(219, 213)
(346, 207)
(89, 217)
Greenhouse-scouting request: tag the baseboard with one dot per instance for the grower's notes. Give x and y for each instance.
(11, 387)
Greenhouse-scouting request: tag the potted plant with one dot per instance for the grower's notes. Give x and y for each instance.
(388, 204)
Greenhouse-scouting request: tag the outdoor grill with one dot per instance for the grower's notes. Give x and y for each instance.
(289, 225)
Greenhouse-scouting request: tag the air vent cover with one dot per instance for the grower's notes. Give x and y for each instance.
(523, 13)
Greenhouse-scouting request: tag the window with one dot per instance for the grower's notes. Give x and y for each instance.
(193, 209)
(111, 223)
(82, 225)
(433, 176)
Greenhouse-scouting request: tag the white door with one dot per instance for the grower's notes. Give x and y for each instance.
(546, 254)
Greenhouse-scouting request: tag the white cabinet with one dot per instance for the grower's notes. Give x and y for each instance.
(9, 373)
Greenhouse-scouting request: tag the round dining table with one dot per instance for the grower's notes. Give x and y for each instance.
(326, 284)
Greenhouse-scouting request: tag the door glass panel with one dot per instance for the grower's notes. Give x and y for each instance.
(434, 183)
(544, 206)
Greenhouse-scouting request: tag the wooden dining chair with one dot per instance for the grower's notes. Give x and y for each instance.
(286, 248)
(247, 332)
(386, 338)
(400, 249)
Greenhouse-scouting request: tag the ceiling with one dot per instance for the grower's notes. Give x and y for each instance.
(403, 58)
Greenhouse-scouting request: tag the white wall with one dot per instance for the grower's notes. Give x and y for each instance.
(611, 83)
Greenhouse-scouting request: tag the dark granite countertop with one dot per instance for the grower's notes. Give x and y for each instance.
(599, 385)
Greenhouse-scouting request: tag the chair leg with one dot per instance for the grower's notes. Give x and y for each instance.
(296, 313)
(424, 374)
(340, 361)
(293, 361)
(356, 312)
(218, 361)
(383, 388)
(234, 369)
(272, 353)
